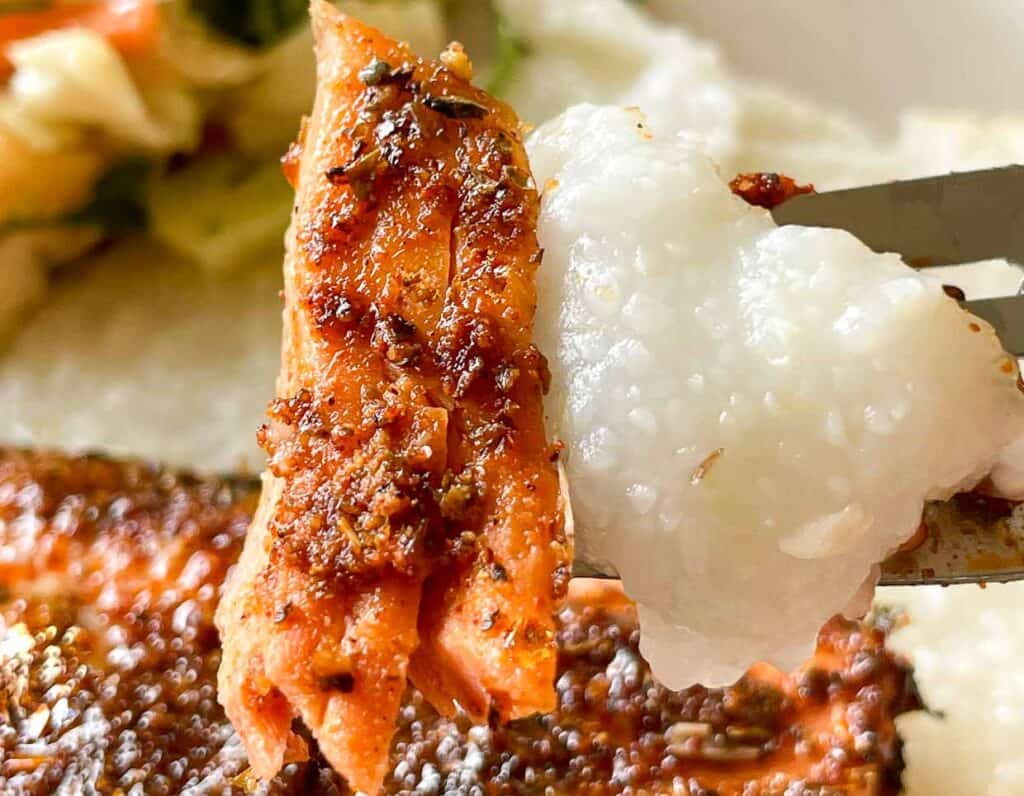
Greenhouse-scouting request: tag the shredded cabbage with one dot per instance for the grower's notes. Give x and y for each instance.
(221, 213)
(68, 82)
(199, 56)
(24, 278)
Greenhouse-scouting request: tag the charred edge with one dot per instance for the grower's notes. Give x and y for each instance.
(395, 337)
(333, 311)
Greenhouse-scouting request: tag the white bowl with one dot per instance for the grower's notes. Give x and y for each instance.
(876, 57)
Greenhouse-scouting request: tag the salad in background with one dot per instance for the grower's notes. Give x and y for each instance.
(167, 116)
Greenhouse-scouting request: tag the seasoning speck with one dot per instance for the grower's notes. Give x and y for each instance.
(374, 72)
(705, 466)
(954, 292)
(359, 173)
(457, 60)
(344, 682)
(455, 107)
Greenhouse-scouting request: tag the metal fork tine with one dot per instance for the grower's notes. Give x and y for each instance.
(1007, 318)
(947, 220)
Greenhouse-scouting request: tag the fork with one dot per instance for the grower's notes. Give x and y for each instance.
(952, 219)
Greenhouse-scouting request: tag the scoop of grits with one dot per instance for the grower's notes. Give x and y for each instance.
(753, 415)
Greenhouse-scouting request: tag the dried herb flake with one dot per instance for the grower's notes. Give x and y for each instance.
(359, 173)
(456, 107)
(374, 72)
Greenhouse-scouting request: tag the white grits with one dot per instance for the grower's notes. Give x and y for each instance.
(749, 411)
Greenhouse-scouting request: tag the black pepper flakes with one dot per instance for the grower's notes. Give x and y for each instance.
(397, 337)
(399, 329)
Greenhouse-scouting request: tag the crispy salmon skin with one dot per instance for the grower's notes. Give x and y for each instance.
(411, 505)
(108, 659)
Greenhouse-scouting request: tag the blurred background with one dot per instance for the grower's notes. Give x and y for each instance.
(873, 57)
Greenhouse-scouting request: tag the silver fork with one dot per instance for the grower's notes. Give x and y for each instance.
(948, 220)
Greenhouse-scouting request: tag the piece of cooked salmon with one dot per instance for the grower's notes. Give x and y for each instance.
(411, 508)
(108, 658)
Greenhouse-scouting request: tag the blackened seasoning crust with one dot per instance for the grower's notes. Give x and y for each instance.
(426, 148)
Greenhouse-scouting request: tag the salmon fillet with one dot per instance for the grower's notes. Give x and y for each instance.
(108, 660)
(411, 505)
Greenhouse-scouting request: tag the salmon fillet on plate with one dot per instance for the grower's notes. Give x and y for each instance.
(410, 523)
(109, 655)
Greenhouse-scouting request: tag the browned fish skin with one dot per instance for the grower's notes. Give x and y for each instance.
(108, 654)
(828, 729)
(111, 574)
(407, 452)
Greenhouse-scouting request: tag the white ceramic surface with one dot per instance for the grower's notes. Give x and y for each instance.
(874, 57)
